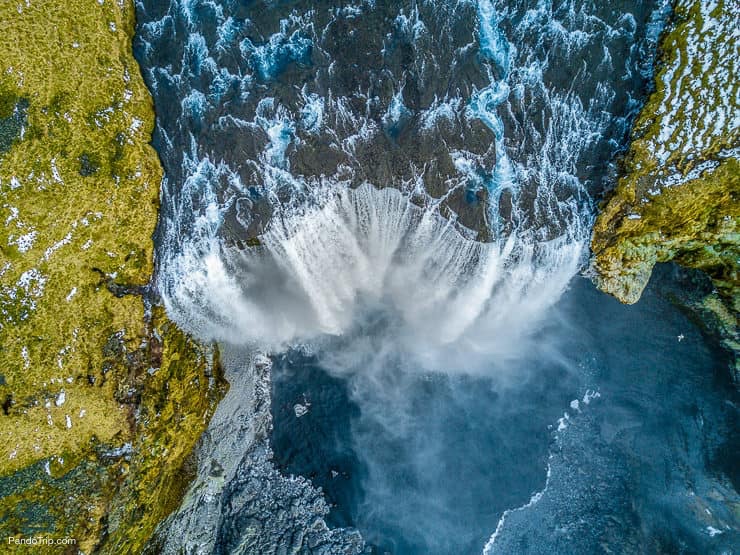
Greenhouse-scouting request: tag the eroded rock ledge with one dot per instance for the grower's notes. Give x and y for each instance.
(679, 196)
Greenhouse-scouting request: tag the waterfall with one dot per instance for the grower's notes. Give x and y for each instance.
(341, 244)
(363, 251)
(406, 188)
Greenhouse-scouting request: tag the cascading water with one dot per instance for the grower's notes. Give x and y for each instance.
(401, 193)
(521, 192)
(367, 250)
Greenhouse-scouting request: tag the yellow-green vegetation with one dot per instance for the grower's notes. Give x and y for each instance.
(79, 202)
(102, 400)
(177, 402)
(110, 496)
(679, 197)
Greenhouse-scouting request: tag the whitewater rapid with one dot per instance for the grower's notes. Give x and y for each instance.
(335, 243)
(366, 251)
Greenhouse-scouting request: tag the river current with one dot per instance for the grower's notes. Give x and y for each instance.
(382, 211)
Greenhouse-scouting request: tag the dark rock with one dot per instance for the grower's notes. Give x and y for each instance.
(89, 164)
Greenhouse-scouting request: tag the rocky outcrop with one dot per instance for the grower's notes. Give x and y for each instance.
(103, 398)
(679, 196)
(239, 503)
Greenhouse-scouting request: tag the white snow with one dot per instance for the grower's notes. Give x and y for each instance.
(61, 398)
(25, 242)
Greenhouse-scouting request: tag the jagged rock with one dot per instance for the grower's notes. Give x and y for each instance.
(240, 503)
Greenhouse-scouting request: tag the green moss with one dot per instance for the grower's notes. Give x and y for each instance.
(177, 401)
(57, 226)
(110, 496)
(679, 197)
(8, 102)
(42, 500)
(85, 371)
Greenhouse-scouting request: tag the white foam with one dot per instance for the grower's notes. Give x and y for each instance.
(488, 548)
(322, 269)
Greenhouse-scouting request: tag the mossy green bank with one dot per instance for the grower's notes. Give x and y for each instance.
(103, 399)
(679, 197)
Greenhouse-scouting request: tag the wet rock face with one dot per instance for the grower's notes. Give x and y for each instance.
(239, 503)
(354, 94)
(679, 198)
